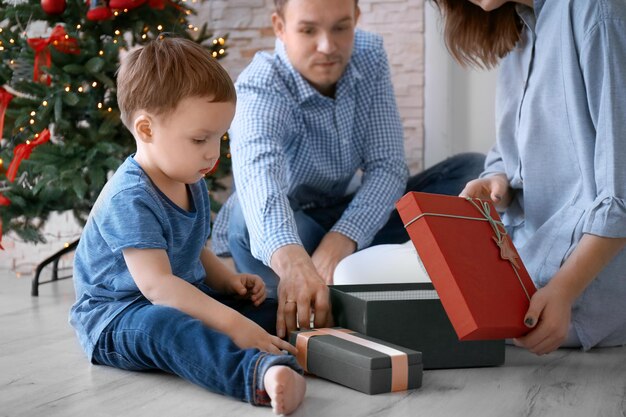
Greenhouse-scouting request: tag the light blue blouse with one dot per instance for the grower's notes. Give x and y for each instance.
(561, 140)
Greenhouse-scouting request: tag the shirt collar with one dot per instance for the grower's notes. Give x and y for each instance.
(538, 4)
(529, 15)
(305, 91)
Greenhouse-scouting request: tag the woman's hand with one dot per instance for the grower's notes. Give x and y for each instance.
(549, 316)
(248, 286)
(495, 188)
(550, 308)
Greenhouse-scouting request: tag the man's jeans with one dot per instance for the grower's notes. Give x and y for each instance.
(447, 177)
(147, 337)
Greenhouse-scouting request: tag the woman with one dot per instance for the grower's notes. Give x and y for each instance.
(558, 168)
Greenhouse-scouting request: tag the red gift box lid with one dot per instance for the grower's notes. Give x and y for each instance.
(477, 272)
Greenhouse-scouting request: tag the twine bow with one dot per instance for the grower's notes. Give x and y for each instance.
(23, 151)
(500, 236)
(506, 251)
(60, 40)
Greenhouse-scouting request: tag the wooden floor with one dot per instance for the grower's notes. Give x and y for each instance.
(43, 372)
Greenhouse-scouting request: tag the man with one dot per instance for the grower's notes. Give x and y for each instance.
(312, 115)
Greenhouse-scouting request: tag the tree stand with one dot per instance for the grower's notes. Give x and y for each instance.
(54, 260)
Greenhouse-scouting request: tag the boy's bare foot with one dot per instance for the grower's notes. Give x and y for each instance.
(285, 387)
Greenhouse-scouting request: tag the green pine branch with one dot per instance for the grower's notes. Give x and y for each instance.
(79, 107)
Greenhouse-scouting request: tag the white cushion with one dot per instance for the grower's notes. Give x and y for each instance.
(381, 264)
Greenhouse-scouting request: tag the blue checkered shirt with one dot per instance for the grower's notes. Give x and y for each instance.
(293, 147)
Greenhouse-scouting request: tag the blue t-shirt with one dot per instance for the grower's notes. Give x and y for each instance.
(131, 212)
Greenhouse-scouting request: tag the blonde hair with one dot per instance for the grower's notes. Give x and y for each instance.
(157, 76)
(478, 38)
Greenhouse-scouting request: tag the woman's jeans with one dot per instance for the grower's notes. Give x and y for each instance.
(447, 177)
(146, 337)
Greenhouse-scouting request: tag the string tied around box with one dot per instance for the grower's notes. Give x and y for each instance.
(500, 235)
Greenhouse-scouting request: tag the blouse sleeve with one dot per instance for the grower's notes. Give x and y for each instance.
(493, 163)
(603, 61)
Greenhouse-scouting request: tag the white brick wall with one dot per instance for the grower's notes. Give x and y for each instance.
(22, 258)
(247, 22)
(401, 22)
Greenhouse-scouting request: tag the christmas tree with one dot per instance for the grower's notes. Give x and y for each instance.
(59, 122)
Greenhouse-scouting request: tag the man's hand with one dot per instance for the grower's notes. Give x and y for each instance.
(331, 250)
(250, 287)
(301, 291)
(248, 335)
(495, 188)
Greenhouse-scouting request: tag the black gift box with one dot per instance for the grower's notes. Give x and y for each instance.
(411, 315)
(356, 366)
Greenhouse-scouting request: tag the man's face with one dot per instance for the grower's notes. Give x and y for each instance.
(318, 36)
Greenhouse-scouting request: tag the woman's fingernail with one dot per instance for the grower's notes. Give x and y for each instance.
(529, 322)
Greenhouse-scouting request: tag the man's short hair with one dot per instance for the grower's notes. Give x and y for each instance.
(279, 5)
(159, 75)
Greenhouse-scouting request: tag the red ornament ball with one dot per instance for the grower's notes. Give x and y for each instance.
(53, 6)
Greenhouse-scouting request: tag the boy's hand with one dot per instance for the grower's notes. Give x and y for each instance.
(249, 286)
(248, 335)
(495, 188)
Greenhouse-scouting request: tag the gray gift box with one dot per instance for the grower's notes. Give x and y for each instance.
(356, 366)
(411, 315)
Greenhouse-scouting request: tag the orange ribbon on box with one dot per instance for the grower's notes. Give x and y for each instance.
(399, 359)
(60, 40)
(23, 151)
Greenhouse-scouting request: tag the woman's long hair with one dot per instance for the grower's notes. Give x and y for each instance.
(478, 38)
